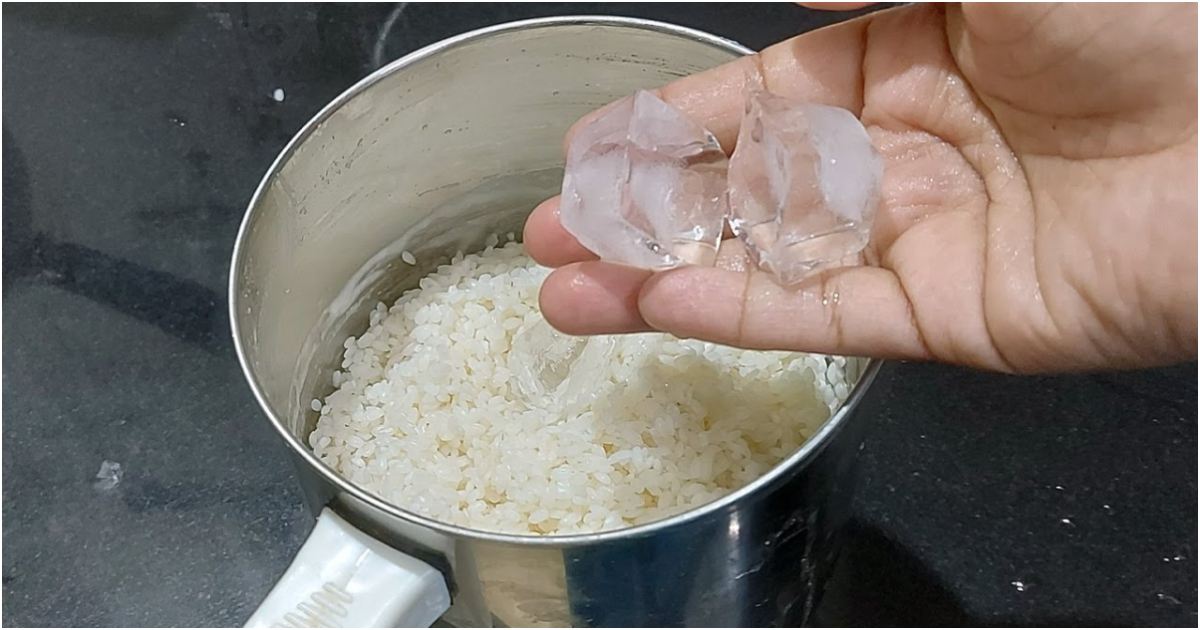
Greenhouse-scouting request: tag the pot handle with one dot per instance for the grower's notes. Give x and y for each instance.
(342, 577)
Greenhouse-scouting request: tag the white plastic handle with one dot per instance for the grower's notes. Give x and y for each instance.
(344, 578)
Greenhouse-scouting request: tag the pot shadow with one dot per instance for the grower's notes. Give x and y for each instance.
(180, 307)
(877, 582)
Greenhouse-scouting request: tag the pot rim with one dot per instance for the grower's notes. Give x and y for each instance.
(791, 465)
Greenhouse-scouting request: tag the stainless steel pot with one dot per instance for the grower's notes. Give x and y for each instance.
(431, 154)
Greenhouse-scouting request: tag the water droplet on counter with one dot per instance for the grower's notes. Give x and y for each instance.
(1019, 585)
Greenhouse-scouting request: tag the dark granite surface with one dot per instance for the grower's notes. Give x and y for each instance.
(133, 137)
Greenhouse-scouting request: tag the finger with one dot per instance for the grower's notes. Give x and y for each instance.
(548, 242)
(859, 311)
(593, 297)
(822, 66)
(835, 6)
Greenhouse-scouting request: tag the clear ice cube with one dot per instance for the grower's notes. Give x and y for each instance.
(803, 186)
(644, 186)
(109, 475)
(541, 358)
(548, 364)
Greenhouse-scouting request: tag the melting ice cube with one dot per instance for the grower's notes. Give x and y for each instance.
(803, 185)
(541, 358)
(645, 186)
(109, 475)
(546, 362)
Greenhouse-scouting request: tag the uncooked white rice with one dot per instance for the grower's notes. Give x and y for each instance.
(456, 403)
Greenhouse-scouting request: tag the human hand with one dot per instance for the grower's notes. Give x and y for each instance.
(1039, 196)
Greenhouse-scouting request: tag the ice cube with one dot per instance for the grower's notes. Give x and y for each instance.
(803, 185)
(109, 475)
(645, 186)
(544, 362)
(541, 358)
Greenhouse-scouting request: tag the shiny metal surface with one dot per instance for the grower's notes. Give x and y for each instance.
(431, 154)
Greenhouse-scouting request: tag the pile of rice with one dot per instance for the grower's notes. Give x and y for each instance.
(460, 403)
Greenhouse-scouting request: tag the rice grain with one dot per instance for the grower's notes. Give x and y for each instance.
(460, 403)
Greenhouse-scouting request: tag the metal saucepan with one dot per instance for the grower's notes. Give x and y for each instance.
(431, 154)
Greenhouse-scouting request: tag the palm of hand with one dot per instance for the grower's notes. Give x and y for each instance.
(1021, 231)
(1039, 208)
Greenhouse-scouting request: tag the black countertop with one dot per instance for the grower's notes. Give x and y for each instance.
(133, 137)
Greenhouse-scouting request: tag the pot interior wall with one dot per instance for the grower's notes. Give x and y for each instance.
(430, 157)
